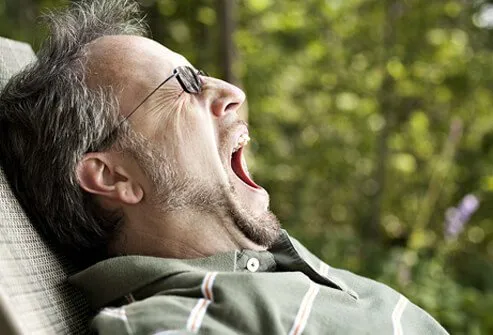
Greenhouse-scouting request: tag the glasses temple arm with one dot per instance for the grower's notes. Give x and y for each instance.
(145, 99)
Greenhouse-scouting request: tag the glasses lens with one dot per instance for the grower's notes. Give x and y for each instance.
(189, 80)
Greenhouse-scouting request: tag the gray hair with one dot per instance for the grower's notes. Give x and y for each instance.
(49, 119)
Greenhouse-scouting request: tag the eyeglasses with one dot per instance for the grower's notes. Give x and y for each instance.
(187, 77)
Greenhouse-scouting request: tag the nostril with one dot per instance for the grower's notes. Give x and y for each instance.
(232, 106)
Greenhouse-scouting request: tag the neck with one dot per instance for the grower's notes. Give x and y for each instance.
(180, 234)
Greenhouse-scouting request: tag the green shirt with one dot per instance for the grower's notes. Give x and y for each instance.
(285, 290)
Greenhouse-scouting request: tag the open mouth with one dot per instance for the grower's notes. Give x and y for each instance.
(239, 166)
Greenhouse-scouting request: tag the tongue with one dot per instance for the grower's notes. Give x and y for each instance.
(238, 164)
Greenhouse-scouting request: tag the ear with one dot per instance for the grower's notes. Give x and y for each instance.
(104, 174)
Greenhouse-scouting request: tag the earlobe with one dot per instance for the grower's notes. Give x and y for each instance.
(102, 174)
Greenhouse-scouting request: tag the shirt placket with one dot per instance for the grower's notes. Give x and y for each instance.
(254, 261)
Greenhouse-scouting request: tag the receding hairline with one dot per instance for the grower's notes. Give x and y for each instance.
(131, 65)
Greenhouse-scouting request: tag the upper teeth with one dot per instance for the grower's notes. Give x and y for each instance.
(242, 141)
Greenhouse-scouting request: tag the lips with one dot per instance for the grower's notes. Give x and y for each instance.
(250, 196)
(239, 139)
(239, 166)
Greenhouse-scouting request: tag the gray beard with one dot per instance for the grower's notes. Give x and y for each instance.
(172, 192)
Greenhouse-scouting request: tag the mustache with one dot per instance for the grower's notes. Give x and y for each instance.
(239, 123)
(226, 136)
(230, 130)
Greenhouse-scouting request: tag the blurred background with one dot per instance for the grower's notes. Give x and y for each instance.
(372, 129)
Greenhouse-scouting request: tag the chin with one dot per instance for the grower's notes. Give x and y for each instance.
(248, 202)
(249, 209)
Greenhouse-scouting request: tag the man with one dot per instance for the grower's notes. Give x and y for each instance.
(131, 160)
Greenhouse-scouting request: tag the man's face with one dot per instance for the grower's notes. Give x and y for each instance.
(190, 146)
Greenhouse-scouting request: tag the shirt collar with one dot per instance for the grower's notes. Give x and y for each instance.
(110, 279)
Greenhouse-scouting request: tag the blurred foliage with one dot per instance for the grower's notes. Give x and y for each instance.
(369, 119)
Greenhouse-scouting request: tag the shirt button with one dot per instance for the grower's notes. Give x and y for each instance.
(253, 264)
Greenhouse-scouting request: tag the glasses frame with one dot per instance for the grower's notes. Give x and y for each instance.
(179, 72)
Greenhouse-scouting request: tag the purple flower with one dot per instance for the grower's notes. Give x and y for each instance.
(456, 218)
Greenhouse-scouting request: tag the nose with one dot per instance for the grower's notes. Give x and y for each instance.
(227, 98)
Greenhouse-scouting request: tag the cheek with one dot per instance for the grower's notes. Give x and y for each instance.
(188, 136)
(192, 142)
(199, 148)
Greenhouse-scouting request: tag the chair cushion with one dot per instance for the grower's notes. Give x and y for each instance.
(32, 276)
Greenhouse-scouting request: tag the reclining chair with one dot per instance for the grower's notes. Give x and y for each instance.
(34, 295)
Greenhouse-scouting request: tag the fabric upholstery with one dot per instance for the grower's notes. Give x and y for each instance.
(33, 287)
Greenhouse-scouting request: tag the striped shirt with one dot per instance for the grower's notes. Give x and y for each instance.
(285, 290)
